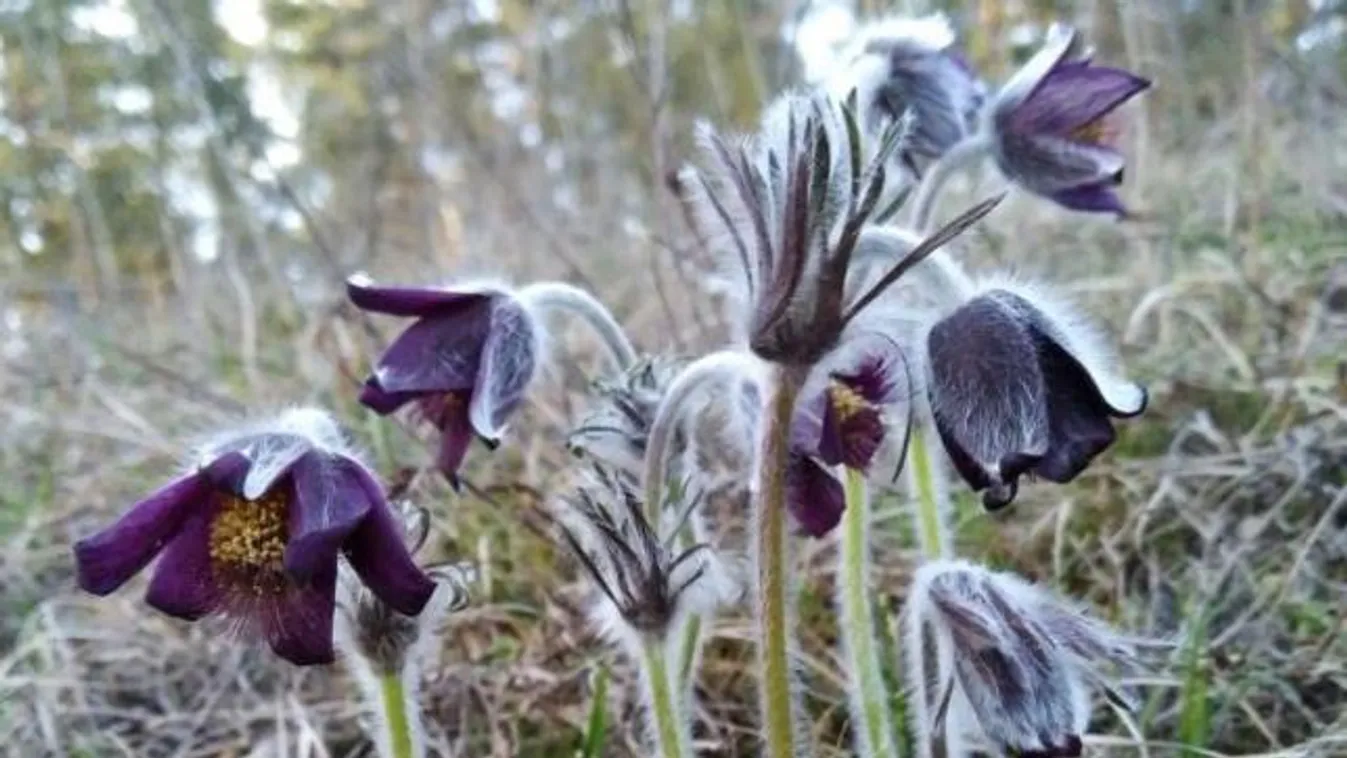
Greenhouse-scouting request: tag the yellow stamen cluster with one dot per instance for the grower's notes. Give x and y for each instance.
(846, 402)
(1094, 133)
(250, 534)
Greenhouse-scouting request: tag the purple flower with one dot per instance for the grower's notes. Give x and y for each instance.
(910, 66)
(253, 532)
(841, 424)
(466, 361)
(1019, 662)
(1052, 128)
(1019, 384)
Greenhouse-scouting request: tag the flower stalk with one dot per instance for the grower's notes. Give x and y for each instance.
(773, 585)
(722, 366)
(671, 724)
(393, 700)
(868, 694)
(961, 156)
(562, 297)
(932, 495)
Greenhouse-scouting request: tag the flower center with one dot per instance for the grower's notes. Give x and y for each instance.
(1097, 132)
(249, 535)
(846, 402)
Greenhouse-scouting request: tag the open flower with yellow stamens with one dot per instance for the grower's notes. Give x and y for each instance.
(1052, 126)
(253, 532)
(842, 424)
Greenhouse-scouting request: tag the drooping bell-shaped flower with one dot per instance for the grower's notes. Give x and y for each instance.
(841, 423)
(1052, 126)
(1019, 383)
(254, 531)
(1021, 663)
(905, 66)
(466, 361)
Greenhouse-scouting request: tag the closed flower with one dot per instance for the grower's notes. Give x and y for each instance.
(1020, 384)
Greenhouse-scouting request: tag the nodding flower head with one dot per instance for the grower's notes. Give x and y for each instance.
(1021, 662)
(840, 423)
(1053, 130)
(1019, 383)
(910, 66)
(647, 585)
(786, 207)
(254, 531)
(466, 361)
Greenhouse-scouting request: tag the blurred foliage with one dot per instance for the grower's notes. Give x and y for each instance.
(143, 143)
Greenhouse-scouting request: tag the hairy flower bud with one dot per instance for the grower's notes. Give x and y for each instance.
(1021, 662)
(646, 585)
(909, 66)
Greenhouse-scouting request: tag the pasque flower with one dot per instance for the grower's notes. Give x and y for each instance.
(910, 66)
(1019, 383)
(841, 423)
(1052, 126)
(254, 531)
(466, 361)
(1021, 663)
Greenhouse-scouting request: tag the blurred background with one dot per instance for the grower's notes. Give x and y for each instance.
(184, 185)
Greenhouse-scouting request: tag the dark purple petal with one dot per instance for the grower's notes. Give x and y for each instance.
(506, 369)
(184, 585)
(228, 472)
(377, 552)
(107, 559)
(456, 436)
(374, 397)
(1047, 165)
(437, 353)
(852, 430)
(1091, 198)
(1072, 96)
(1078, 417)
(298, 623)
(329, 504)
(937, 90)
(814, 497)
(408, 301)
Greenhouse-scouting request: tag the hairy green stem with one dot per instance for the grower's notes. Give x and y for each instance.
(773, 583)
(932, 497)
(559, 296)
(718, 367)
(396, 719)
(868, 693)
(957, 158)
(671, 725)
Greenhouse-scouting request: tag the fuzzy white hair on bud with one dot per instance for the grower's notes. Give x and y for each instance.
(1018, 664)
(1078, 334)
(645, 585)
